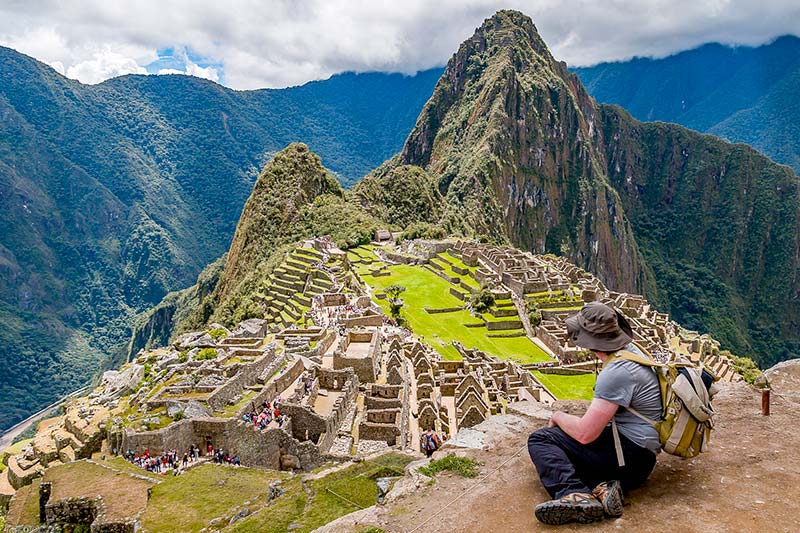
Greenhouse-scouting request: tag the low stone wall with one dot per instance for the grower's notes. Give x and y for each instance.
(403, 259)
(458, 294)
(385, 432)
(564, 371)
(443, 310)
(73, 510)
(371, 402)
(505, 335)
(504, 324)
(324, 344)
(363, 321)
(334, 299)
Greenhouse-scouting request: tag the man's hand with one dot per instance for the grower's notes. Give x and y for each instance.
(588, 427)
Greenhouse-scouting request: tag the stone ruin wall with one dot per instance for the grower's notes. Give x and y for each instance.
(262, 448)
(322, 430)
(80, 510)
(247, 375)
(277, 385)
(387, 414)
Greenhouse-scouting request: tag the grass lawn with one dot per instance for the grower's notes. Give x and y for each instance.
(579, 387)
(457, 262)
(118, 463)
(123, 495)
(302, 512)
(467, 281)
(190, 501)
(426, 289)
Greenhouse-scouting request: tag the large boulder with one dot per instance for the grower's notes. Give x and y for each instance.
(251, 328)
(190, 409)
(195, 409)
(120, 383)
(196, 339)
(784, 379)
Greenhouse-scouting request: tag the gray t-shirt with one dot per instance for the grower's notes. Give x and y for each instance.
(630, 384)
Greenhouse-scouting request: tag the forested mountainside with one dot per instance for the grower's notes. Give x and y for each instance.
(743, 94)
(115, 194)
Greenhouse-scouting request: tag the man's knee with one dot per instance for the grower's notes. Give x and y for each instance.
(543, 437)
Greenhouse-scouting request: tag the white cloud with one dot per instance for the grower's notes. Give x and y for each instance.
(209, 73)
(104, 65)
(276, 43)
(170, 71)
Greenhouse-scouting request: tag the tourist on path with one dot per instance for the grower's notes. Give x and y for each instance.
(430, 442)
(576, 457)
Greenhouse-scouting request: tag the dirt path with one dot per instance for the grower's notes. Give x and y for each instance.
(748, 481)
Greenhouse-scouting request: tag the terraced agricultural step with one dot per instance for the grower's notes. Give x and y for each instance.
(304, 259)
(18, 476)
(294, 286)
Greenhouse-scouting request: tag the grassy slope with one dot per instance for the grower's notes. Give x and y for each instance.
(426, 289)
(568, 387)
(307, 511)
(190, 501)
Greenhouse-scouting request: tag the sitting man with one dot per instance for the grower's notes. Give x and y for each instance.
(576, 457)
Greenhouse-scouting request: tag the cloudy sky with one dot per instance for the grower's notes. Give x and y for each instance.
(248, 44)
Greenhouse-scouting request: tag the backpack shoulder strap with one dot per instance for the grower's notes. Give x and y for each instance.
(627, 355)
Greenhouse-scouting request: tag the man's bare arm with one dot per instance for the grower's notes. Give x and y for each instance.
(588, 427)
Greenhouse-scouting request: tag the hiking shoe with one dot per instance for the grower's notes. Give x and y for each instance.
(576, 507)
(609, 493)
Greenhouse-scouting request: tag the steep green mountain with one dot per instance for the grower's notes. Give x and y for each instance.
(742, 94)
(708, 230)
(507, 137)
(113, 195)
(295, 197)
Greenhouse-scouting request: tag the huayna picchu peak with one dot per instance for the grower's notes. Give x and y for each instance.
(352, 344)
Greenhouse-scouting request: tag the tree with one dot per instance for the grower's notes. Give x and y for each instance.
(483, 301)
(395, 302)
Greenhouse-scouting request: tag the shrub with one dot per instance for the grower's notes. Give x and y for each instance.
(395, 303)
(463, 466)
(178, 416)
(217, 333)
(744, 366)
(423, 230)
(483, 301)
(205, 354)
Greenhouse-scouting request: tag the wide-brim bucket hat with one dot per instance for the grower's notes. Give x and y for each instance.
(600, 328)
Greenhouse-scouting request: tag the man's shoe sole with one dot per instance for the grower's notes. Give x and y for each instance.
(555, 513)
(613, 502)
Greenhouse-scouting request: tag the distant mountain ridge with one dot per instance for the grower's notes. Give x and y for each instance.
(743, 94)
(114, 194)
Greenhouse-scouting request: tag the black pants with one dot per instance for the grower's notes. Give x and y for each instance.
(565, 465)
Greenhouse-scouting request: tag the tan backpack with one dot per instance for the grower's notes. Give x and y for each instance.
(687, 416)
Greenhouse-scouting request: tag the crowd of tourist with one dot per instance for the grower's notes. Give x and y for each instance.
(173, 461)
(268, 412)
